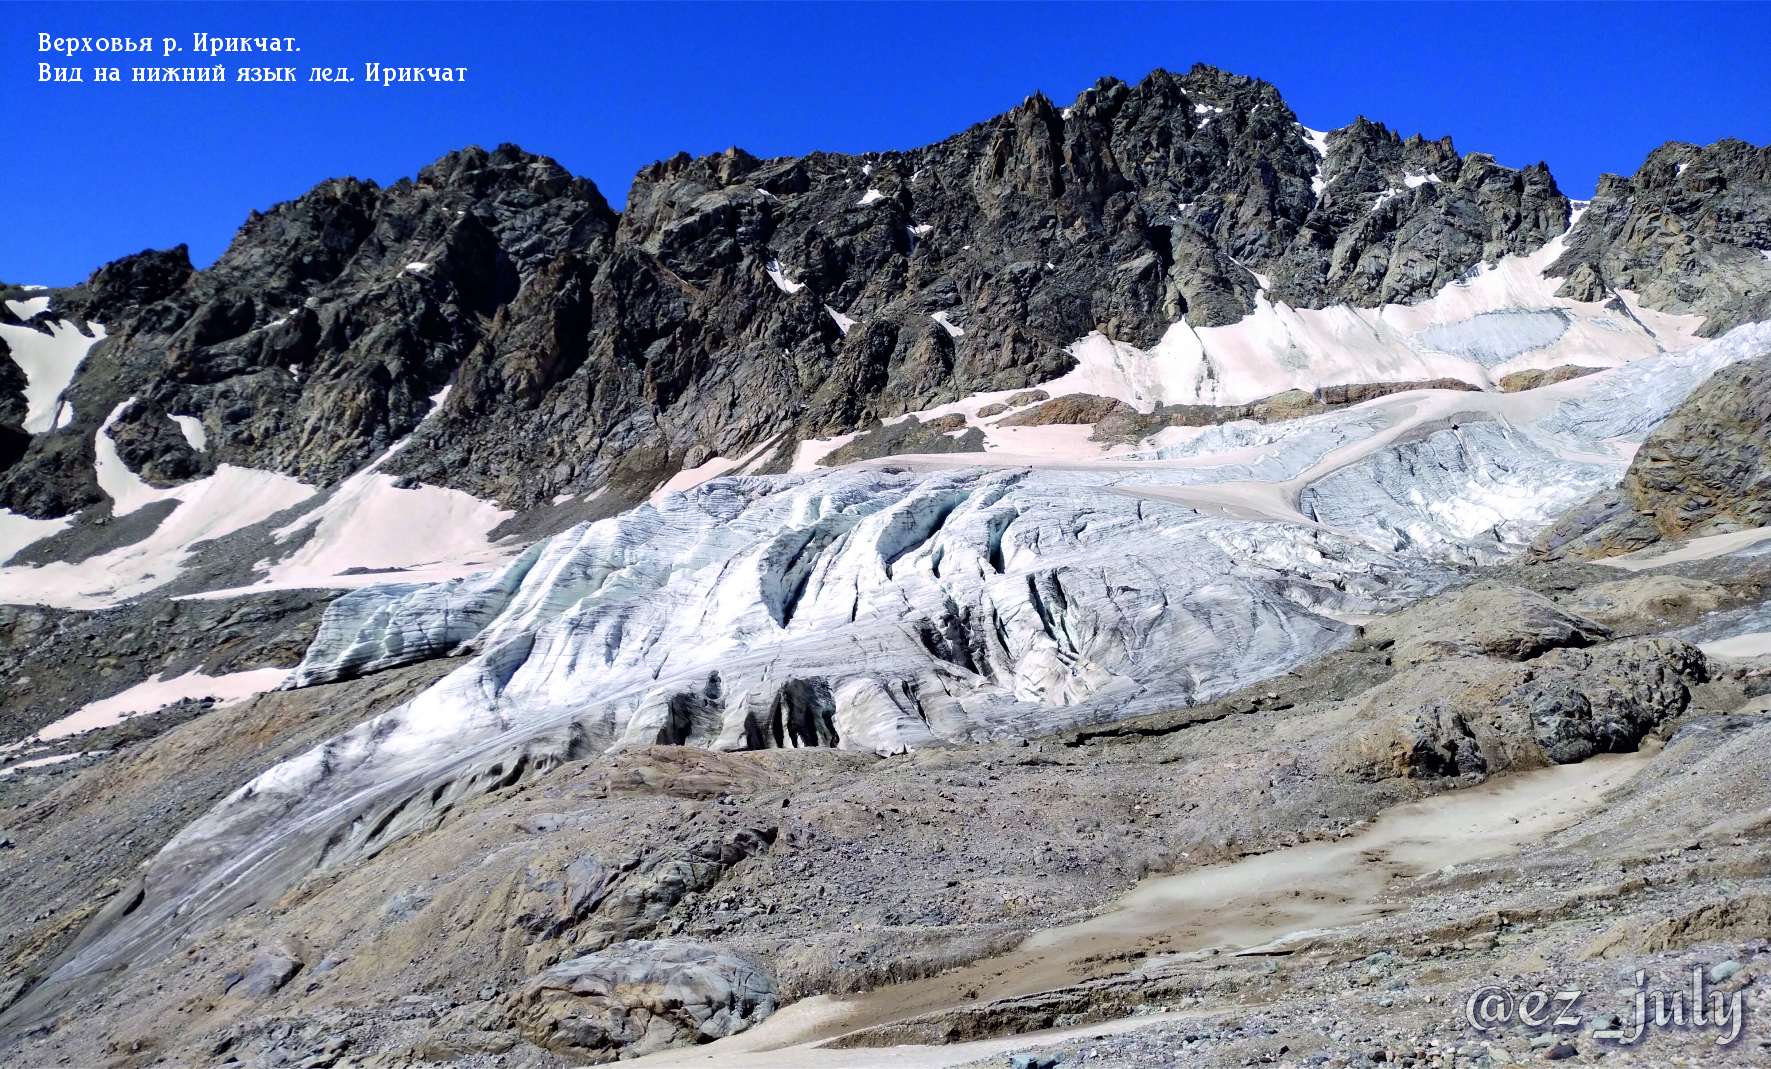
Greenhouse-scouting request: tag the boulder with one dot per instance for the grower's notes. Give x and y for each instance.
(637, 997)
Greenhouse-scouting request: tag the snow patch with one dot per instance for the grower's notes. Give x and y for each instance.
(426, 533)
(155, 694)
(1279, 348)
(869, 197)
(40, 762)
(17, 532)
(49, 362)
(1415, 181)
(25, 309)
(418, 267)
(192, 429)
(1740, 647)
(843, 322)
(210, 508)
(712, 468)
(1318, 140)
(952, 328)
(782, 282)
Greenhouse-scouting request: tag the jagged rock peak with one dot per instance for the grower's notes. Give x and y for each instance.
(1686, 233)
(740, 302)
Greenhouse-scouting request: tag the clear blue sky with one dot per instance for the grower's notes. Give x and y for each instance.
(96, 171)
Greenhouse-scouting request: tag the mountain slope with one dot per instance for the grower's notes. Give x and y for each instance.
(715, 314)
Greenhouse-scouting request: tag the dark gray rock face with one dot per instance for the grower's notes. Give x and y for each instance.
(13, 408)
(1399, 219)
(1684, 233)
(117, 290)
(1706, 469)
(317, 338)
(741, 304)
(151, 444)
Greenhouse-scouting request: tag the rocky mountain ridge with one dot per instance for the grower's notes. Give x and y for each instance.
(1241, 504)
(741, 303)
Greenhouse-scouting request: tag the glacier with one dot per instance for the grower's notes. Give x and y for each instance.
(903, 603)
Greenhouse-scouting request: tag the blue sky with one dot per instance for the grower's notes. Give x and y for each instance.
(96, 171)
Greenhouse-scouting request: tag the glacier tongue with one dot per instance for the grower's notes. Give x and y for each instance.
(908, 603)
(872, 609)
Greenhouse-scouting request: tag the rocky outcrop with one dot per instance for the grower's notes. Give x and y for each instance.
(1705, 469)
(1483, 620)
(1534, 378)
(908, 435)
(613, 905)
(1071, 408)
(1477, 716)
(638, 997)
(1117, 423)
(150, 442)
(1686, 233)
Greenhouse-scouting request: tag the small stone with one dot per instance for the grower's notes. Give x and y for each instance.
(1560, 1051)
(1725, 970)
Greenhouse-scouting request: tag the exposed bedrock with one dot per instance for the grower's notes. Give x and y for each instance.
(638, 997)
(1484, 716)
(1685, 232)
(1705, 469)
